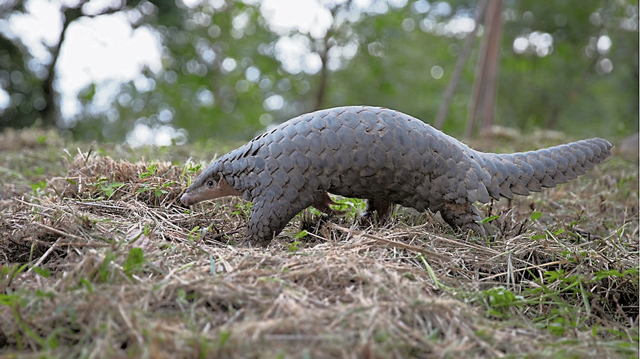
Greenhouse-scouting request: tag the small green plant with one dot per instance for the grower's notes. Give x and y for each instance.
(104, 267)
(151, 170)
(189, 170)
(14, 301)
(146, 230)
(293, 246)
(38, 187)
(194, 234)
(350, 206)
(157, 191)
(243, 209)
(490, 219)
(35, 172)
(110, 188)
(85, 283)
(43, 272)
(134, 261)
(498, 301)
(224, 338)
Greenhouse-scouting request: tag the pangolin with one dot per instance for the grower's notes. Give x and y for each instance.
(385, 157)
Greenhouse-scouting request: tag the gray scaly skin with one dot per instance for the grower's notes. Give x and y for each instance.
(384, 156)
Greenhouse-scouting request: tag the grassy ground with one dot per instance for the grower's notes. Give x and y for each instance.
(97, 260)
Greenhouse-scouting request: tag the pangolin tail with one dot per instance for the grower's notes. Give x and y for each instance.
(525, 172)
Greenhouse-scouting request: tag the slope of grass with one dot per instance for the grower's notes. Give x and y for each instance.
(97, 260)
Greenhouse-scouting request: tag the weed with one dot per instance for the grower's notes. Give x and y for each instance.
(243, 209)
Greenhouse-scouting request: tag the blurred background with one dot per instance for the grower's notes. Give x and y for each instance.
(176, 71)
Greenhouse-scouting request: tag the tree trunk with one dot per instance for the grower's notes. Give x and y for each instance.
(457, 72)
(485, 83)
(49, 114)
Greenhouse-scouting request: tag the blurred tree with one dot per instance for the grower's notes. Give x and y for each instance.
(556, 69)
(224, 74)
(220, 77)
(24, 87)
(31, 83)
(571, 68)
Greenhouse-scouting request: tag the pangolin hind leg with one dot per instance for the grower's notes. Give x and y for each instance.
(377, 207)
(464, 217)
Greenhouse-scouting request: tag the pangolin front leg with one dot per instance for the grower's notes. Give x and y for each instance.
(268, 218)
(323, 203)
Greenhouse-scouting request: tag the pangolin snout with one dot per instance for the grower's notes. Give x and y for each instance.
(186, 200)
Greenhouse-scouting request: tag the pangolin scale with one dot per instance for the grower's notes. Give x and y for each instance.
(385, 157)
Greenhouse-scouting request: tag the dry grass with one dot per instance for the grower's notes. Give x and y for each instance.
(101, 262)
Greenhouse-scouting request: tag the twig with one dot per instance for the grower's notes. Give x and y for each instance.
(58, 231)
(538, 266)
(45, 255)
(391, 243)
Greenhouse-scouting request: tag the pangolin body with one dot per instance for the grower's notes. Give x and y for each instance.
(384, 156)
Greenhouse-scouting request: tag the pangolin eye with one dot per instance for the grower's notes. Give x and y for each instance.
(210, 183)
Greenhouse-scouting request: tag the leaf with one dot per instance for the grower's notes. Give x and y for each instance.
(104, 272)
(607, 273)
(293, 247)
(88, 92)
(134, 261)
(151, 170)
(9, 299)
(38, 186)
(536, 215)
(489, 219)
(86, 284)
(43, 272)
(224, 337)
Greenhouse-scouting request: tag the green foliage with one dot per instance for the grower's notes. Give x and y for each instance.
(189, 171)
(221, 65)
(151, 170)
(27, 96)
(352, 207)
(157, 191)
(243, 209)
(43, 272)
(134, 261)
(104, 268)
(194, 235)
(294, 246)
(38, 187)
(490, 219)
(498, 300)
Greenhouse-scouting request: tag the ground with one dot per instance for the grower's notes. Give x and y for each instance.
(98, 260)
